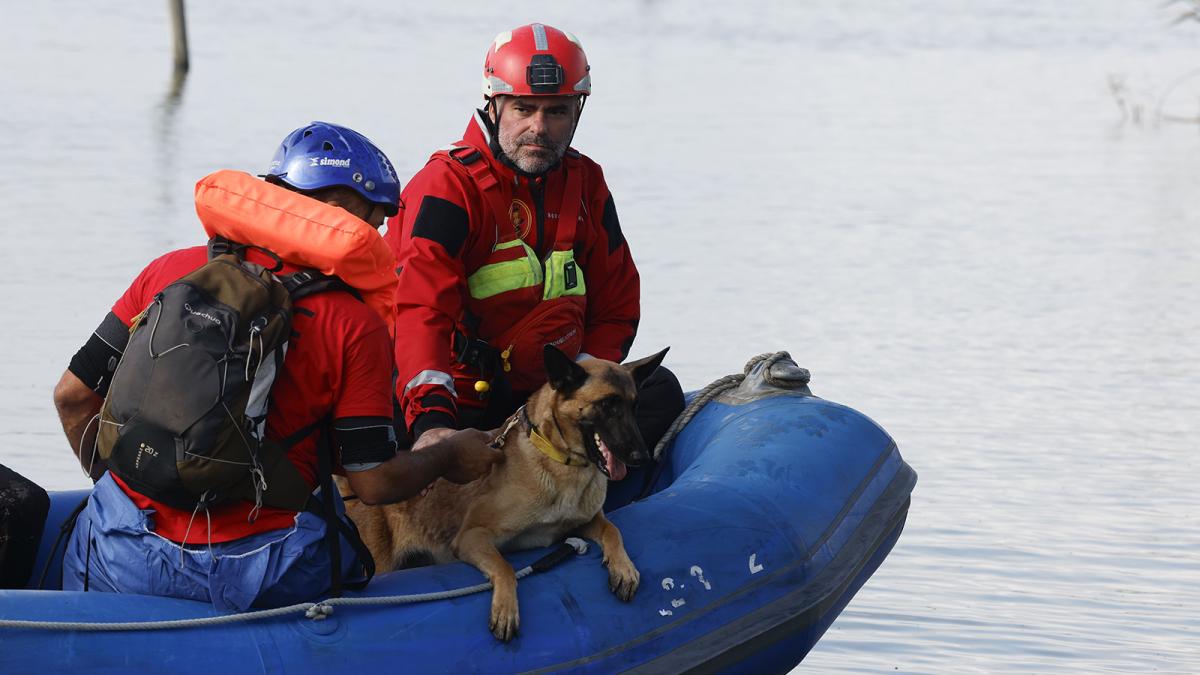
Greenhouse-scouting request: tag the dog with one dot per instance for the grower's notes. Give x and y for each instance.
(561, 448)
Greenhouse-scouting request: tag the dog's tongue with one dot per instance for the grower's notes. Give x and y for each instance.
(616, 468)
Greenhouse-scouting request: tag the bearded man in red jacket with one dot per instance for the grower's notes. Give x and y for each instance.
(508, 241)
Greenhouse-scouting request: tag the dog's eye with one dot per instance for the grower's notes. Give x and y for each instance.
(611, 404)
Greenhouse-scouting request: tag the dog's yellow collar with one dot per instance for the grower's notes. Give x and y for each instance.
(547, 448)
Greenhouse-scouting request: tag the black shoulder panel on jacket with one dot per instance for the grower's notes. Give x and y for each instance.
(444, 222)
(612, 226)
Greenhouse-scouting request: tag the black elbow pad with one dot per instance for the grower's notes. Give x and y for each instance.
(96, 360)
(364, 441)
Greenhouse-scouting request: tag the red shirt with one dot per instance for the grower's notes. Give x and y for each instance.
(338, 364)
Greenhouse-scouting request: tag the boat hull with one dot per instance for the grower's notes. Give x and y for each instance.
(764, 519)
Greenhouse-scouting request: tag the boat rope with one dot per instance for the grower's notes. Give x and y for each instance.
(312, 610)
(798, 377)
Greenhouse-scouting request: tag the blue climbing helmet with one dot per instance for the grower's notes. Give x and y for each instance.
(321, 155)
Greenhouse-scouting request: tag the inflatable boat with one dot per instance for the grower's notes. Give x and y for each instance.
(763, 516)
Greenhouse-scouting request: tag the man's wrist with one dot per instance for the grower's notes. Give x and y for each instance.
(443, 459)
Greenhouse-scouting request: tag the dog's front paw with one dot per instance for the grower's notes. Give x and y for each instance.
(506, 618)
(623, 578)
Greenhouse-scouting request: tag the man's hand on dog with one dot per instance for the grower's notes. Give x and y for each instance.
(471, 454)
(431, 436)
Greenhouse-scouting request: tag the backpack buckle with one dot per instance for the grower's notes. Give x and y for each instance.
(220, 246)
(294, 281)
(464, 155)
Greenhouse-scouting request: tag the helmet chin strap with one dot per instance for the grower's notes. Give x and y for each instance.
(494, 142)
(578, 116)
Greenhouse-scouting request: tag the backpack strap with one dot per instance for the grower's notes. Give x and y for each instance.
(218, 246)
(64, 532)
(309, 282)
(334, 525)
(568, 211)
(471, 158)
(285, 487)
(470, 161)
(288, 489)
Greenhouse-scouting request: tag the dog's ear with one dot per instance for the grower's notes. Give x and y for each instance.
(642, 368)
(564, 374)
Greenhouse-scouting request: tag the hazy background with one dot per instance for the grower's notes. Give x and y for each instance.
(937, 206)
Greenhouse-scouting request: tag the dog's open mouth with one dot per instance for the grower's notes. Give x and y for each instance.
(606, 461)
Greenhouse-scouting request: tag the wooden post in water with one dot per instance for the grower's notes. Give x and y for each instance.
(179, 28)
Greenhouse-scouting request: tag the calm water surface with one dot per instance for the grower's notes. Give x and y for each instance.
(935, 205)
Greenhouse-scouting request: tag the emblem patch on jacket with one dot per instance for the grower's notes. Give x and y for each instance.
(521, 216)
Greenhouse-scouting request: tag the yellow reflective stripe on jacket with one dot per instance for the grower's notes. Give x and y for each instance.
(509, 244)
(497, 278)
(563, 276)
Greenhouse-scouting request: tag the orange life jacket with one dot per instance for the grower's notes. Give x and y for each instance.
(302, 231)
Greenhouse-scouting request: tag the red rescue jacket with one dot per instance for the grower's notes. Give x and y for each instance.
(484, 252)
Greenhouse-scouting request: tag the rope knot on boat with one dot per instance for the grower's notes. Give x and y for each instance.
(773, 370)
(318, 611)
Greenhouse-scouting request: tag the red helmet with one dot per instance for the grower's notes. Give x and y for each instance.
(536, 60)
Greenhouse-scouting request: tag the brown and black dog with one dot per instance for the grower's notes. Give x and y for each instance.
(560, 449)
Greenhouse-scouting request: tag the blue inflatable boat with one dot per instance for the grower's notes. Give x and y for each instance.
(763, 517)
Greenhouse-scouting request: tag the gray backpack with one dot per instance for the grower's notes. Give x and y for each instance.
(185, 415)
